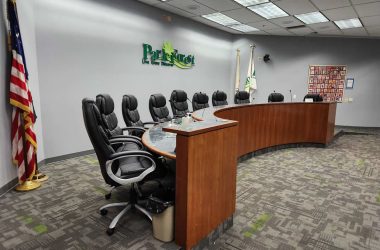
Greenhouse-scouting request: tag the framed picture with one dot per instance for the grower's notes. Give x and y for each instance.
(350, 83)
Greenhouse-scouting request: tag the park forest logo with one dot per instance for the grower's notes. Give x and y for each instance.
(167, 56)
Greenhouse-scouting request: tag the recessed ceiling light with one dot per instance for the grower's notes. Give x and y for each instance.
(250, 2)
(243, 28)
(221, 19)
(312, 17)
(348, 23)
(268, 10)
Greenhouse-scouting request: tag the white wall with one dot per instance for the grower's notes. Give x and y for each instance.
(288, 69)
(89, 47)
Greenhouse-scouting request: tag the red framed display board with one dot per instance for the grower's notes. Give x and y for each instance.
(328, 81)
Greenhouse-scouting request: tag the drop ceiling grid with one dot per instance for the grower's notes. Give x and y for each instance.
(367, 10)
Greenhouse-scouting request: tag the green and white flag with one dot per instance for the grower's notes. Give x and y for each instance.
(237, 73)
(250, 82)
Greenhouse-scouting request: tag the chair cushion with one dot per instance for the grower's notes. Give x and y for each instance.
(130, 113)
(109, 119)
(105, 104)
(178, 102)
(275, 97)
(131, 166)
(158, 109)
(241, 97)
(200, 101)
(219, 98)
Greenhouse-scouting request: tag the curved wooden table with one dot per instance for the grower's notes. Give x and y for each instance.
(206, 154)
(272, 124)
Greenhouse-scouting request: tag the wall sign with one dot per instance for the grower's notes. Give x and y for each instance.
(167, 56)
(328, 81)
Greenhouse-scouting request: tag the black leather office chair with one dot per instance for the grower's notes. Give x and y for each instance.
(131, 115)
(241, 97)
(315, 97)
(106, 106)
(127, 166)
(275, 97)
(158, 109)
(200, 101)
(178, 102)
(219, 98)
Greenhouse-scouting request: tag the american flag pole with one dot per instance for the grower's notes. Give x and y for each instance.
(24, 143)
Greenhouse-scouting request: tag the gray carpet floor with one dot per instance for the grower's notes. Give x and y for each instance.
(298, 198)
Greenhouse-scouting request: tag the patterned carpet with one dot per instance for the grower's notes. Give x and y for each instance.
(300, 198)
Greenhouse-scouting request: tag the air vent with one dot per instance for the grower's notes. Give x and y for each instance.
(193, 7)
(296, 27)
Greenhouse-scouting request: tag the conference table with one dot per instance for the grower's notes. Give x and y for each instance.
(207, 151)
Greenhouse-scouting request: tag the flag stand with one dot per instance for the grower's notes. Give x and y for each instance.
(27, 185)
(39, 177)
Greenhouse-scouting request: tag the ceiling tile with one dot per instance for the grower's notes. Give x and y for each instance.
(173, 9)
(323, 26)
(294, 7)
(330, 4)
(369, 9)
(192, 7)
(220, 5)
(374, 30)
(243, 15)
(340, 13)
(151, 2)
(330, 32)
(363, 1)
(260, 32)
(355, 32)
(263, 25)
(301, 31)
(279, 32)
(371, 21)
(287, 21)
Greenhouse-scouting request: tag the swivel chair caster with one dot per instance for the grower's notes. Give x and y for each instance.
(103, 212)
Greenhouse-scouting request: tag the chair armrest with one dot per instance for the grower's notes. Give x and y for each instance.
(150, 123)
(126, 139)
(124, 154)
(125, 136)
(134, 128)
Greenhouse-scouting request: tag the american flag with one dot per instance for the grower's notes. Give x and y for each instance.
(24, 143)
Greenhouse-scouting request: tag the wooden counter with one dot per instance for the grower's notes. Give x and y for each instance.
(271, 124)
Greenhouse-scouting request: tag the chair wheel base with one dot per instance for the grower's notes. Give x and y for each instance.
(110, 231)
(103, 212)
(107, 196)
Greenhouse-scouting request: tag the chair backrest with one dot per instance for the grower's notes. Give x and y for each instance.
(241, 97)
(130, 113)
(178, 102)
(275, 97)
(98, 137)
(315, 97)
(158, 109)
(106, 107)
(219, 98)
(200, 101)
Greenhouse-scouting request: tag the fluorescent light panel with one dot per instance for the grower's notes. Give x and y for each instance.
(349, 23)
(250, 2)
(268, 10)
(243, 28)
(312, 17)
(221, 19)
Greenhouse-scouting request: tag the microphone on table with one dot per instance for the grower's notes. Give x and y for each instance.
(291, 97)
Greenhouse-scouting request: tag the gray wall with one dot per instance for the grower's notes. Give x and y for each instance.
(7, 170)
(288, 69)
(89, 47)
